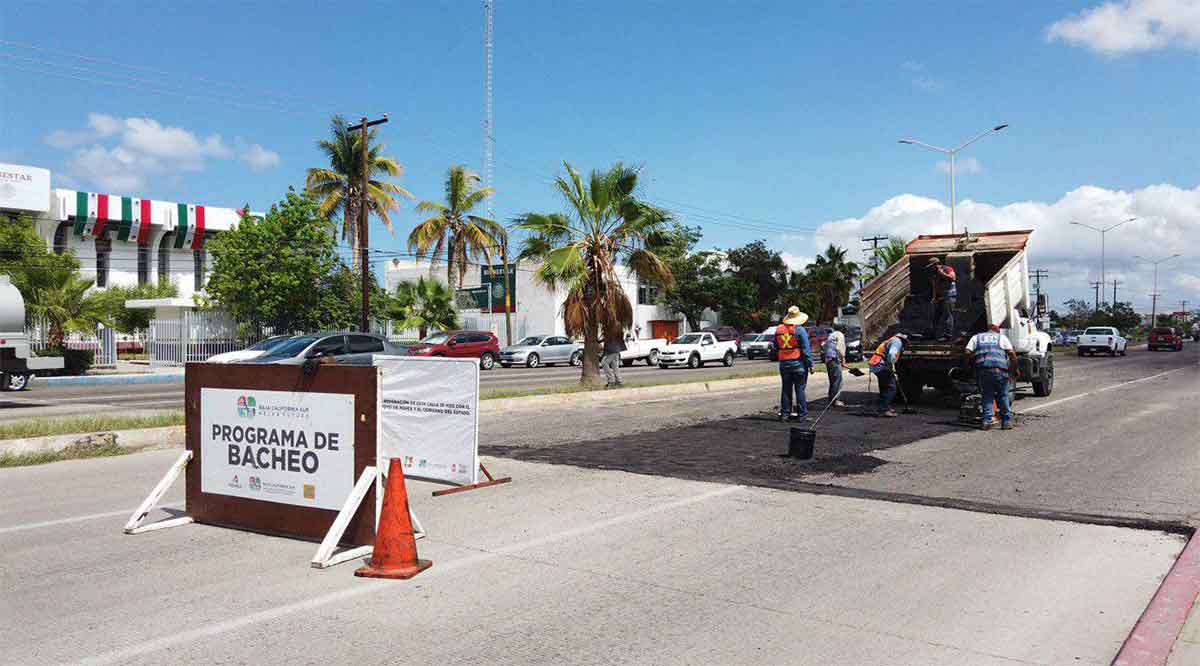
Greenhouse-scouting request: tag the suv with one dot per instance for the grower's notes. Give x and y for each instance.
(482, 345)
(1164, 338)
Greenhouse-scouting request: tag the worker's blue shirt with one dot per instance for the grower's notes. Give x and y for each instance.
(891, 352)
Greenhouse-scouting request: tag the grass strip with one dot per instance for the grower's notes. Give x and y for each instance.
(87, 424)
(107, 446)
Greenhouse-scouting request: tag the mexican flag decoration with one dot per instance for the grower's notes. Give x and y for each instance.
(135, 220)
(102, 215)
(86, 209)
(189, 232)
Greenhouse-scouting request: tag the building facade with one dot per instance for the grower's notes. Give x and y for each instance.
(119, 239)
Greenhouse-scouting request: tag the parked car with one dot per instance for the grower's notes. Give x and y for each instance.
(538, 350)
(759, 345)
(344, 348)
(482, 345)
(1073, 336)
(726, 334)
(854, 350)
(636, 350)
(693, 350)
(1101, 339)
(1164, 338)
(816, 337)
(252, 352)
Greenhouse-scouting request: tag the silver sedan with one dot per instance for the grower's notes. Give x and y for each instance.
(538, 350)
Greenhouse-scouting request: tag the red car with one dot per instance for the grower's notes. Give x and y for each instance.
(461, 344)
(816, 338)
(1164, 338)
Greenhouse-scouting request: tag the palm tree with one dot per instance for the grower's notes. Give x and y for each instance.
(831, 279)
(65, 305)
(424, 304)
(333, 186)
(890, 254)
(580, 250)
(454, 229)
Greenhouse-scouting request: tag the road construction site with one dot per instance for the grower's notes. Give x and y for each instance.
(671, 530)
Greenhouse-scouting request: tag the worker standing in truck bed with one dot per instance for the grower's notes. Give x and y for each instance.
(944, 286)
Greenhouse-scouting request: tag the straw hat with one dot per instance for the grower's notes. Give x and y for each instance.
(795, 317)
(933, 262)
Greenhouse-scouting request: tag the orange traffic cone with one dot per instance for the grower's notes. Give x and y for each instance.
(395, 552)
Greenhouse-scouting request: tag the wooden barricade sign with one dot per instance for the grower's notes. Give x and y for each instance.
(276, 449)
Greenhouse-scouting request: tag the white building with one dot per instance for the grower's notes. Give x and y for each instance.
(538, 310)
(119, 239)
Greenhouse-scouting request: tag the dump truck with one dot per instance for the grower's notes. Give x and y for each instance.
(17, 360)
(993, 288)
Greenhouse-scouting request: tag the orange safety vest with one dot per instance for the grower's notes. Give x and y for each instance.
(786, 343)
(877, 358)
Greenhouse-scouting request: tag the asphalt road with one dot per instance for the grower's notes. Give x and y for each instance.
(64, 401)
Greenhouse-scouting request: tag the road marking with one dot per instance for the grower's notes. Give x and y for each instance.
(1101, 390)
(362, 588)
(77, 519)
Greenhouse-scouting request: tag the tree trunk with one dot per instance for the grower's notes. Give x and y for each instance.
(56, 335)
(349, 228)
(590, 376)
(421, 331)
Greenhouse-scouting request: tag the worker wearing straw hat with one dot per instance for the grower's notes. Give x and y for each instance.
(795, 364)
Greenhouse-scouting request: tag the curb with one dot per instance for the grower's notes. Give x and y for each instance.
(135, 440)
(148, 378)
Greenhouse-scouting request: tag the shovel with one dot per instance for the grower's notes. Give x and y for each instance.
(908, 408)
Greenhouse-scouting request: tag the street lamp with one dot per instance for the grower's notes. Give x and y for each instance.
(1102, 233)
(1154, 294)
(952, 153)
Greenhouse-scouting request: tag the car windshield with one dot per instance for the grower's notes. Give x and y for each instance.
(435, 339)
(532, 340)
(1163, 331)
(269, 343)
(688, 340)
(293, 346)
(1097, 331)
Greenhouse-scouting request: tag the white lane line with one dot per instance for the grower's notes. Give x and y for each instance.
(362, 588)
(1101, 390)
(77, 519)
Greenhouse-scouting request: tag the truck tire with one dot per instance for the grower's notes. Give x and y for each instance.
(728, 360)
(16, 382)
(626, 364)
(694, 361)
(652, 359)
(1080, 352)
(913, 388)
(1043, 386)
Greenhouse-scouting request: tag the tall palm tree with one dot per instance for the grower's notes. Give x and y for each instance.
(831, 279)
(333, 186)
(453, 228)
(65, 305)
(580, 250)
(424, 304)
(890, 253)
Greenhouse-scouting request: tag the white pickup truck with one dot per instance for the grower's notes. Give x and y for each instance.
(693, 350)
(642, 350)
(1097, 339)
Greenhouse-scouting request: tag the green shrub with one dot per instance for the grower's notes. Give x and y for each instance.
(75, 361)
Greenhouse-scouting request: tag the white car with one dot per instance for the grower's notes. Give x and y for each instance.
(637, 350)
(693, 350)
(1097, 339)
(250, 353)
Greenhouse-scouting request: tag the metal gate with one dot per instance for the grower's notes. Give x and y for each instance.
(193, 336)
(101, 341)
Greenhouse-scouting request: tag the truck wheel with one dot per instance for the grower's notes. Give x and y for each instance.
(694, 361)
(1112, 352)
(913, 387)
(1123, 349)
(626, 364)
(1045, 384)
(16, 383)
(1080, 352)
(652, 359)
(728, 360)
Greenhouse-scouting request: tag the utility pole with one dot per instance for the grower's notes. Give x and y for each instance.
(1155, 294)
(364, 216)
(1037, 276)
(1096, 286)
(1183, 306)
(1154, 309)
(874, 241)
(489, 11)
(1114, 293)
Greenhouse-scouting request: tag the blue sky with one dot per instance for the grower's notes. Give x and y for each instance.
(751, 119)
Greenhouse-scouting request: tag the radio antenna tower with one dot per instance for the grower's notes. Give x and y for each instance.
(487, 105)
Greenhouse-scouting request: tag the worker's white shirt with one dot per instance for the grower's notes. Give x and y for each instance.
(1005, 344)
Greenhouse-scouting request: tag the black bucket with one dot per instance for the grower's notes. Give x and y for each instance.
(802, 443)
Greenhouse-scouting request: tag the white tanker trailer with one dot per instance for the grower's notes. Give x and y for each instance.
(17, 360)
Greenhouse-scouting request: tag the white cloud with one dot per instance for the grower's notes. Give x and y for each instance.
(912, 66)
(964, 165)
(1168, 221)
(260, 158)
(1116, 28)
(122, 153)
(796, 262)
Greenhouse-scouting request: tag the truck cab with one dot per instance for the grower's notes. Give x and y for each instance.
(17, 360)
(993, 288)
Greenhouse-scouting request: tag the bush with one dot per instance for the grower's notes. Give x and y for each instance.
(75, 362)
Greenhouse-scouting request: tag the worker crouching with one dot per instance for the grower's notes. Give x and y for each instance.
(992, 354)
(883, 366)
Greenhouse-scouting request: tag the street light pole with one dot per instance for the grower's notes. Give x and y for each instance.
(953, 153)
(1154, 296)
(1103, 232)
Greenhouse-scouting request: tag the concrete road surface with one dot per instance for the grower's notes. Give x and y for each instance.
(567, 565)
(63, 401)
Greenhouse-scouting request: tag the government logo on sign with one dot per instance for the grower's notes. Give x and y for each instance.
(255, 483)
(245, 406)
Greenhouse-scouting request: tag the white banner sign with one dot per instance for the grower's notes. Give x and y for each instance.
(429, 417)
(277, 446)
(24, 188)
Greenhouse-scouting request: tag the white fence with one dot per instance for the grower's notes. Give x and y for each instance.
(101, 341)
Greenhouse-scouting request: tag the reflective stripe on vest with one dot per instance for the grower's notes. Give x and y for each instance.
(786, 343)
(988, 353)
(881, 352)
